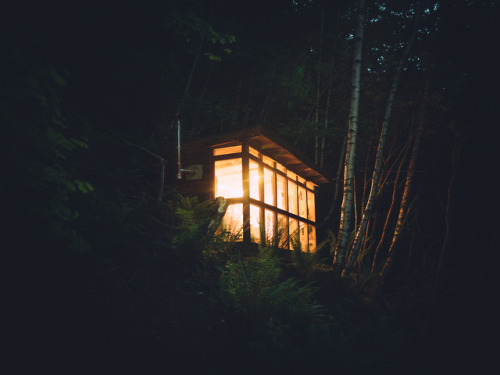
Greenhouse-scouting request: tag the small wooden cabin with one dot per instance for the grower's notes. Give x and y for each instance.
(269, 188)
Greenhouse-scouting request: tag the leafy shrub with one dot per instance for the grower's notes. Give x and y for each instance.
(253, 289)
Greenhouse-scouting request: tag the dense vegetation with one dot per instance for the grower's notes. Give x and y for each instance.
(103, 277)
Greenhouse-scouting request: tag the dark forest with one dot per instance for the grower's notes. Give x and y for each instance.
(111, 269)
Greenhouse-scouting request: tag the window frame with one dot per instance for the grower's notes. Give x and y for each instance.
(277, 168)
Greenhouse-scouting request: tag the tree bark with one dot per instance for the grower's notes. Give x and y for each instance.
(346, 210)
(406, 193)
(367, 212)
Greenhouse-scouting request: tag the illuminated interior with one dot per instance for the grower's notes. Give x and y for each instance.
(278, 203)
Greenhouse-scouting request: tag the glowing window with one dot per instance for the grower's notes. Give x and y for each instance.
(233, 221)
(228, 178)
(304, 238)
(269, 222)
(253, 152)
(310, 185)
(227, 150)
(293, 228)
(281, 191)
(292, 197)
(254, 179)
(312, 238)
(268, 161)
(269, 187)
(302, 202)
(311, 208)
(282, 231)
(255, 223)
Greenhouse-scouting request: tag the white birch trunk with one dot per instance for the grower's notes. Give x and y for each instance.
(367, 212)
(346, 210)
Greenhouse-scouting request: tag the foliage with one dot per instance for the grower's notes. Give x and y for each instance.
(307, 264)
(192, 218)
(44, 184)
(253, 289)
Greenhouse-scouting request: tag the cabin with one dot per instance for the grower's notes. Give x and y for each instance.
(269, 189)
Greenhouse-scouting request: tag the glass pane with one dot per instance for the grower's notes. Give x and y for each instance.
(293, 228)
(228, 178)
(255, 223)
(304, 238)
(312, 238)
(269, 190)
(254, 179)
(281, 191)
(311, 208)
(292, 197)
(269, 218)
(282, 231)
(268, 161)
(253, 152)
(302, 202)
(233, 221)
(227, 150)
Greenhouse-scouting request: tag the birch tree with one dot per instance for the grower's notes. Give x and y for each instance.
(346, 210)
(367, 211)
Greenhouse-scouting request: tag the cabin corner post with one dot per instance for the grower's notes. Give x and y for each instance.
(246, 193)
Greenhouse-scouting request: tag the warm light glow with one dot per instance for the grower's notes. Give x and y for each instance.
(254, 179)
(283, 231)
(227, 150)
(269, 222)
(292, 197)
(255, 223)
(268, 160)
(304, 239)
(312, 238)
(302, 202)
(228, 178)
(233, 220)
(269, 191)
(311, 208)
(253, 152)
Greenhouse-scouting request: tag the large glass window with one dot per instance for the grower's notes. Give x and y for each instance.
(269, 224)
(233, 220)
(281, 193)
(311, 208)
(292, 197)
(227, 150)
(302, 202)
(228, 178)
(255, 223)
(269, 186)
(282, 202)
(254, 179)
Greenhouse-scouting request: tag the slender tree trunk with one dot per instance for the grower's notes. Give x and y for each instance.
(346, 210)
(389, 213)
(360, 233)
(406, 193)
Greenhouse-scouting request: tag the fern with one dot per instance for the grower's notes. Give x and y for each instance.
(253, 290)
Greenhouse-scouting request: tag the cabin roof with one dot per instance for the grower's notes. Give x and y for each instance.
(274, 147)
